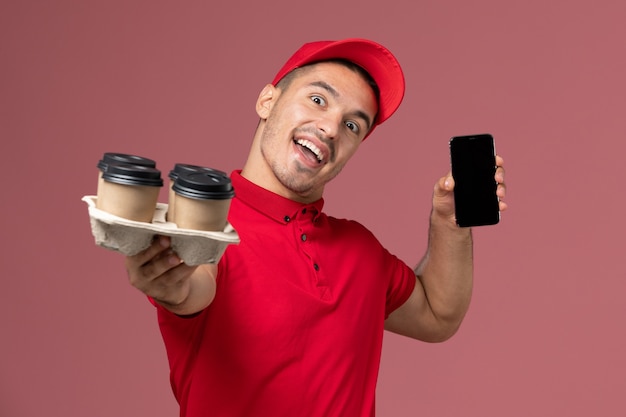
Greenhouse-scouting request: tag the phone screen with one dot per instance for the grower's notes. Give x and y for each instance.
(473, 168)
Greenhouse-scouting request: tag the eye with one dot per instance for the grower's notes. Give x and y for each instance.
(352, 126)
(318, 100)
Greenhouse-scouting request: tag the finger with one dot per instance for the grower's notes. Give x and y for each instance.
(501, 191)
(157, 259)
(499, 175)
(151, 276)
(160, 264)
(171, 287)
(445, 185)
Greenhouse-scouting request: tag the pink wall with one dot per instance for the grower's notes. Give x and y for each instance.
(545, 335)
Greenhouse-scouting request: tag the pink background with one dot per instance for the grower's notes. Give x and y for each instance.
(176, 81)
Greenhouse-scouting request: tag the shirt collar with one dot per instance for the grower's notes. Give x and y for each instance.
(270, 204)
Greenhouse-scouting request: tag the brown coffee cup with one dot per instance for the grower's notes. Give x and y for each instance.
(120, 158)
(130, 191)
(202, 200)
(178, 169)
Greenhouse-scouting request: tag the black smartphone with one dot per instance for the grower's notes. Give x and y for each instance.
(473, 161)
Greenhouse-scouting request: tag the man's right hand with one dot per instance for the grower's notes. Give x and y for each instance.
(160, 274)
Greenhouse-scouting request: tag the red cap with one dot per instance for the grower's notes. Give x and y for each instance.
(374, 58)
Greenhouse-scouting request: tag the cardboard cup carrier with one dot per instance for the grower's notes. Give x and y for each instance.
(125, 214)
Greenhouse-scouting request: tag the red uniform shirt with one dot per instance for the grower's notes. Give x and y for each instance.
(296, 325)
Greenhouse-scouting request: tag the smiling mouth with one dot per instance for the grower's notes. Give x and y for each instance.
(310, 147)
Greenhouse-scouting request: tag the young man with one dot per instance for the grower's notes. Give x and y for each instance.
(290, 322)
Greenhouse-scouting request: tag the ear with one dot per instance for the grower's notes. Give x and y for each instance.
(266, 100)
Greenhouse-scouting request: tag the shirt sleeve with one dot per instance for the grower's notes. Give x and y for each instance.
(181, 335)
(401, 284)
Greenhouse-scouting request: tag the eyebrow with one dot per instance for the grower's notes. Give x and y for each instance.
(335, 94)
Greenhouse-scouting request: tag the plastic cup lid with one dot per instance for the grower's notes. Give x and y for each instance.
(204, 185)
(122, 158)
(180, 168)
(133, 175)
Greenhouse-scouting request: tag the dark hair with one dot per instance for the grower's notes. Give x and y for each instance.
(284, 83)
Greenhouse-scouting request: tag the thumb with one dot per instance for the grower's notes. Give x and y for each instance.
(443, 197)
(444, 186)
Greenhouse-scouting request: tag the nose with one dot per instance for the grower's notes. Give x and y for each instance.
(330, 123)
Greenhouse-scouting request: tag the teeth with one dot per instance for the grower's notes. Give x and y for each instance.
(310, 146)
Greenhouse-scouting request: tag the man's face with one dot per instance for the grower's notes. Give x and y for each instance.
(314, 126)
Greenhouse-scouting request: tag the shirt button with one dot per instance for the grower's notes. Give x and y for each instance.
(316, 267)
(303, 237)
(287, 219)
